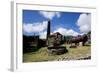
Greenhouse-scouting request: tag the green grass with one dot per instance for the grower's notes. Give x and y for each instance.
(72, 54)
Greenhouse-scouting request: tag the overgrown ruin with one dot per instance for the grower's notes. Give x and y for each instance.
(54, 42)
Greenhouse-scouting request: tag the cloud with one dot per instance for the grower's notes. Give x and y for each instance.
(84, 22)
(61, 30)
(72, 32)
(43, 35)
(50, 15)
(35, 27)
(66, 32)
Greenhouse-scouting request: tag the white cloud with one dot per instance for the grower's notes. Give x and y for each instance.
(66, 32)
(84, 22)
(72, 32)
(50, 15)
(43, 35)
(61, 30)
(35, 27)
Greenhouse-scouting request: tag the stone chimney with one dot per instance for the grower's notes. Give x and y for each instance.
(48, 32)
(48, 29)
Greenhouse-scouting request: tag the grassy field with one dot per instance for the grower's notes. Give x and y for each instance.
(73, 54)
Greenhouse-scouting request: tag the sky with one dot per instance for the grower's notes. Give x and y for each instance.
(66, 23)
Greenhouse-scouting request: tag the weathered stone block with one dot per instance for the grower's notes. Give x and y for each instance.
(57, 50)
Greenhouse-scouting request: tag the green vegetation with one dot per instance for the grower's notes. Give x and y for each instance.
(43, 55)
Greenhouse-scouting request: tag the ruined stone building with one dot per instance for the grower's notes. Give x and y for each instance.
(55, 39)
(30, 43)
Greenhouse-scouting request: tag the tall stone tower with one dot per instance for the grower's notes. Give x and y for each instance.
(48, 32)
(48, 29)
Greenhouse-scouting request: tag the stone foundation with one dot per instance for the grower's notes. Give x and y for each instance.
(57, 50)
